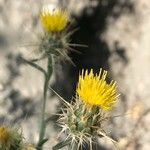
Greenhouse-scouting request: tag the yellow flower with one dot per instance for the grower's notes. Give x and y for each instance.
(4, 135)
(95, 91)
(29, 147)
(53, 20)
(10, 138)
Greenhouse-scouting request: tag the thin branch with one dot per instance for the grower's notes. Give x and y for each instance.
(33, 65)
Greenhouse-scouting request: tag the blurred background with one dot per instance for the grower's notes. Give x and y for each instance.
(117, 33)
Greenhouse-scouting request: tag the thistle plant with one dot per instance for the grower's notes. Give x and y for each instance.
(53, 46)
(83, 120)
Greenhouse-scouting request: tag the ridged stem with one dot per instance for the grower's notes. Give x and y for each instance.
(43, 121)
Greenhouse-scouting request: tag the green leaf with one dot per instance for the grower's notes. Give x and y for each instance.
(42, 142)
(62, 144)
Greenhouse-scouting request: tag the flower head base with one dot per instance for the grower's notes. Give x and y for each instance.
(82, 124)
(53, 20)
(95, 91)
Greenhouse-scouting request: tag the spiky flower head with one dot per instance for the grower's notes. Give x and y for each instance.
(55, 40)
(95, 91)
(10, 138)
(53, 20)
(83, 120)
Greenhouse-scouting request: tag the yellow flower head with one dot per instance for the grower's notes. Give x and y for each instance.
(53, 19)
(95, 91)
(10, 138)
(5, 135)
(29, 147)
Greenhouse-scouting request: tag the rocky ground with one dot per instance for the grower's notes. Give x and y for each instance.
(117, 34)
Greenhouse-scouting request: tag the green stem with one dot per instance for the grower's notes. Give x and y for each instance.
(47, 76)
(43, 121)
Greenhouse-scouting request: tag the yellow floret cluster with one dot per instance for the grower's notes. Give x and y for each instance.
(4, 135)
(94, 90)
(28, 147)
(53, 20)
